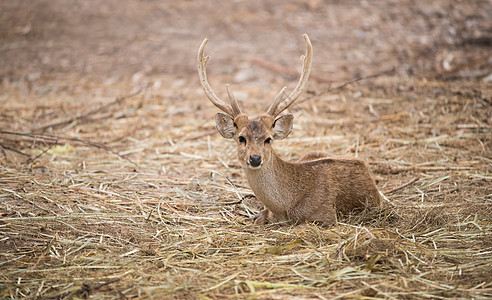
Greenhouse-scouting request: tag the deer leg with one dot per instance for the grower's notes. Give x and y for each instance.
(265, 216)
(305, 211)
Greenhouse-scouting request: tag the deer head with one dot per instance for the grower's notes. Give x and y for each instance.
(254, 137)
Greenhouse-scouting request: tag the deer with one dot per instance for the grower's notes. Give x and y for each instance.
(317, 187)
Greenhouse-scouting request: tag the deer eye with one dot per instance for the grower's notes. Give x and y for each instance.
(241, 139)
(268, 140)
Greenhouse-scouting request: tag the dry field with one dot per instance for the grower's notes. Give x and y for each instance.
(114, 182)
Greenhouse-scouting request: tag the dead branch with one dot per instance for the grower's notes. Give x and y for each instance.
(32, 159)
(53, 140)
(13, 150)
(84, 290)
(285, 71)
(196, 137)
(401, 187)
(87, 116)
(354, 80)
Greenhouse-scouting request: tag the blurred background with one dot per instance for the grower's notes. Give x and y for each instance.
(114, 40)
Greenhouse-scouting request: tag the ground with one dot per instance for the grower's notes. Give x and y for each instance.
(115, 184)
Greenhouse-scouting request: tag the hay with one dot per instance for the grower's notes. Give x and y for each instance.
(115, 184)
(167, 213)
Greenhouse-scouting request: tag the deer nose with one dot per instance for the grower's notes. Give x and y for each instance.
(255, 160)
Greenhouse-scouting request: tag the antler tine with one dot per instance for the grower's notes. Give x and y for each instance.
(235, 107)
(279, 107)
(278, 99)
(202, 64)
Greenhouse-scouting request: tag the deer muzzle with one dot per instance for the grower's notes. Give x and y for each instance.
(255, 161)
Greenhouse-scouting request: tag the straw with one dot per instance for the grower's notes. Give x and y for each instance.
(152, 222)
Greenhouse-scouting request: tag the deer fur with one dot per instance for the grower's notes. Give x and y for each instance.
(313, 189)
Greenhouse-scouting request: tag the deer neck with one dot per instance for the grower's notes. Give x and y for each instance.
(271, 184)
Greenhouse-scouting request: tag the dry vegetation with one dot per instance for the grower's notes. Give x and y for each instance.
(119, 186)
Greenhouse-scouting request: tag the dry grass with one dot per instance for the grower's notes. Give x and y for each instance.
(142, 199)
(138, 196)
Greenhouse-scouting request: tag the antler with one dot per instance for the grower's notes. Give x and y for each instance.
(280, 104)
(233, 110)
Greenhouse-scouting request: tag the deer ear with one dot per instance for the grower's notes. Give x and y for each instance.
(282, 127)
(225, 125)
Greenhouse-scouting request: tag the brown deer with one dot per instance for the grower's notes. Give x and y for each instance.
(313, 189)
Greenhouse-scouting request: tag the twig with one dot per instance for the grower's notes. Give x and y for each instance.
(284, 71)
(357, 79)
(196, 137)
(401, 187)
(86, 115)
(85, 289)
(106, 283)
(32, 159)
(14, 150)
(53, 139)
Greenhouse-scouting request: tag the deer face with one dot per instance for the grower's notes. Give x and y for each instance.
(254, 138)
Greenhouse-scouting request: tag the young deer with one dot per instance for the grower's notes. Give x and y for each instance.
(314, 188)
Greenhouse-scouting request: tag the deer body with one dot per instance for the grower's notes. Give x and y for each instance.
(313, 189)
